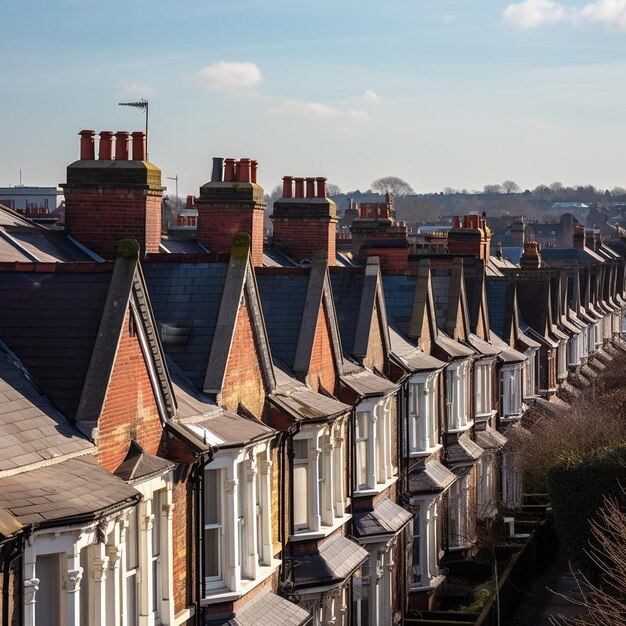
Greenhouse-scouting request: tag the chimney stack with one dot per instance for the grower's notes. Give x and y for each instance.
(470, 235)
(531, 259)
(229, 204)
(305, 222)
(116, 199)
(579, 238)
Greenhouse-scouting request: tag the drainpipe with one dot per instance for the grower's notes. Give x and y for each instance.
(197, 480)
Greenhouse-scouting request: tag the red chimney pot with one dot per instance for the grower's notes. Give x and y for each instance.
(243, 171)
(121, 145)
(105, 152)
(190, 200)
(87, 145)
(254, 167)
(229, 170)
(139, 145)
(299, 187)
(287, 186)
(321, 186)
(310, 187)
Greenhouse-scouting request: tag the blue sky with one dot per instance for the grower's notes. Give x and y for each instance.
(439, 92)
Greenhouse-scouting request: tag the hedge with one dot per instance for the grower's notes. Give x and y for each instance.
(577, 487)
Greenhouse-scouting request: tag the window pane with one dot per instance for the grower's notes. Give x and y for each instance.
(301, 449)
(132, 552)
(131, 599)
(49, 593)
(301, 493)
(212, 552)
(362, 419)
(212, 497)
(156, 522)
(361, 463)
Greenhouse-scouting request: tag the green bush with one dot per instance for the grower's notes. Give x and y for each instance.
(577, 487)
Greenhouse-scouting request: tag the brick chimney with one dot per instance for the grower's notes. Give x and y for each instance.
(518, 231)
(375, 232)
(470, 235)
(305, 220)
(579, 237)
(109, 199)
(531, 258)
(231, 202)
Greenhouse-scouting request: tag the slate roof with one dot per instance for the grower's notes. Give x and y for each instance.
(185, 299)
(364, 382)
(50, 321)
(347, 291)
(181, 246)
(297, 400)
(399, 296)
(552, 255)
(208, 424)
(441, 291)
(497, 292)
(69, 490)
(8, 524)
(268, 609)
(338, 557)
(140, 465)
(409, 356)
(490, 439)
(430, 477)
(453, 348)
(283, 297)
(483, 347)
(463, 451)
(383, 518)
(507, 354)
(31, 429)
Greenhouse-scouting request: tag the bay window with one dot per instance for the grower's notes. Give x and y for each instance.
(486, 501)
(423, 414)
(318, 476)
(131, 599)
(459, 526)
(530, 375)
(237, 532)
(457, 392)
(511, 392)
(426, 540)
(372, 438)
(511, 480)
(482, 388)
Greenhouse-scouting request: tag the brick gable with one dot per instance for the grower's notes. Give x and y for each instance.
(243, 380)
(130, 408)
(322, 372)
(375, 357)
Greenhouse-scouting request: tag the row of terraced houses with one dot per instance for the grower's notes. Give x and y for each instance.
(242, 430)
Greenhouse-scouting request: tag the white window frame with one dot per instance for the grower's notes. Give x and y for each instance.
(457, 397)
(510, 380)
(423, 418)
(427, 516)
(487, 505)
(529, 373)
(483, 374)
(245, 526)
(326, 478)
(459, 511)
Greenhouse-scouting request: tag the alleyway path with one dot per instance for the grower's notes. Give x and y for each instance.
(542, 602)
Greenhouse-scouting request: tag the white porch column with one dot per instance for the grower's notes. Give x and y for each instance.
(374, 600)
(31, 585)
(426, 546)
(252, 558)
(233, 573)
(381, 442)
(99, 568)
(386, 582)
(314, 454)
(340, 496)
(73, 579)
(371, 451)
(328, 513)
(113, 582)
(168, 561)
(145, 565)
(265, 476)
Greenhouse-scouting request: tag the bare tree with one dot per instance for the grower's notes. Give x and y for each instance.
(604, 602)
(393, 185)
(510, 186)
(332, 189)
(557, 187)
(492, 189)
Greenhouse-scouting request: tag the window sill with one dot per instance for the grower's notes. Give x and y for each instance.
(376, 490)
(514, 417)
(323, 532)
(483, 417)
(419, 453)
(433, 584)
(463, 429)
(223, 594)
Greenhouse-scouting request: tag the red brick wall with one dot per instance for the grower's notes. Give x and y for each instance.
(217, 225)
(303, 238)
(183, 538)
(375, 357)
(130, 407)
(100, 218)
(243, 382)
(322, 366)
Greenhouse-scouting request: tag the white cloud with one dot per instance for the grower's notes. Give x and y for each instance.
(137, 89)
(531, 13)
(229, 75)
(611, 13)
(369, 96)
(317, 110)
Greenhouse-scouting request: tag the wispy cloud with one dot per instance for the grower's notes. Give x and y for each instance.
(137, 89)
(229, 76)
(611, 13)
(532, 13)
(318, 110)
(369, 96)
